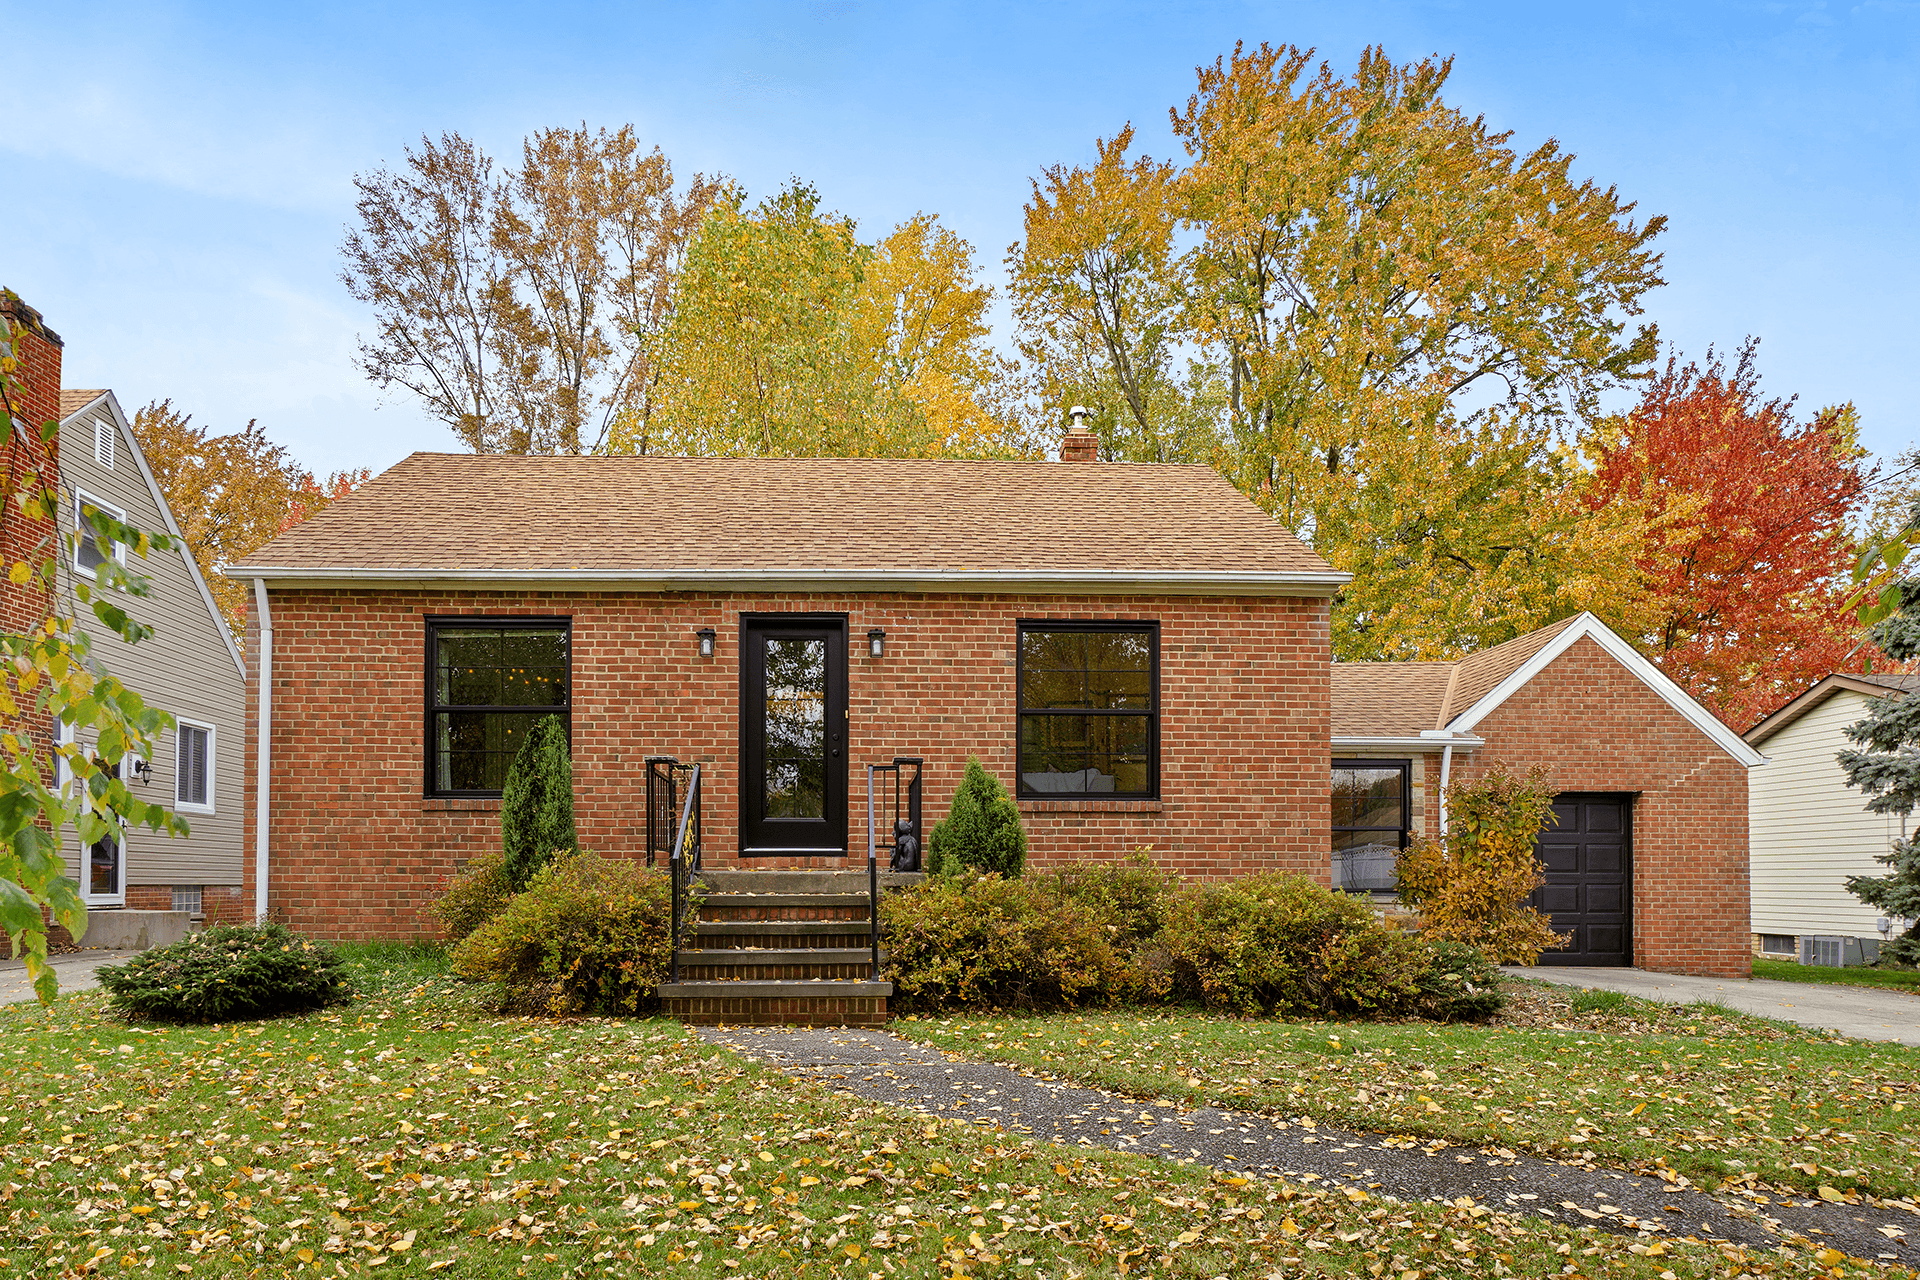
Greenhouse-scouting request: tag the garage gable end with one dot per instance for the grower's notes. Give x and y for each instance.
(1627, 656)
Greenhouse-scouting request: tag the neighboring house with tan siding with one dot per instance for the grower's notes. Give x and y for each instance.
(190, 667)
(1647, 861)
(1810, 830)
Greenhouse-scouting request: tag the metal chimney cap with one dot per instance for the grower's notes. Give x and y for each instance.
(1079, 414)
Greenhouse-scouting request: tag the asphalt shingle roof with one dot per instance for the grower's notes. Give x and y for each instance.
(466, 512)
(1401, 699)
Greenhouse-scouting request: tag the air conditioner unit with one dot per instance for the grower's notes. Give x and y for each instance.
(1834, 952)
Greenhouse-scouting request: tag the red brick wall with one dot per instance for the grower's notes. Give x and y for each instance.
(357, 850)
(1598, 728)
(26, 464)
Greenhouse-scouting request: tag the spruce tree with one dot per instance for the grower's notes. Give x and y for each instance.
(1888, 770)
(982, 828)
(536, 804)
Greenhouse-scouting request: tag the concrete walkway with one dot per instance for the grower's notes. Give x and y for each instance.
(1863, 1013)
(75, 971)
(892, 1069)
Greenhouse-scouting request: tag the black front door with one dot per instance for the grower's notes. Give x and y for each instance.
(793, 733)
(1589, 889)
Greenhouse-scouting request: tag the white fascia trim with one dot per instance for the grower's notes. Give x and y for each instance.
(1627, 656)
(982, 582)
(1429, 740)
(166, 513)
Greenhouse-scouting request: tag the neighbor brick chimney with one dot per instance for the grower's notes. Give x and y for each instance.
(1080, 444)
(36, 399)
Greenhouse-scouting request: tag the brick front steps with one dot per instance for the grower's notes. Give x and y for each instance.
(783, 948)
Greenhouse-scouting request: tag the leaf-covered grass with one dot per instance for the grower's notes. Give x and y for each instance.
(1698, 1092)
(415, 1133)
(1856, 976)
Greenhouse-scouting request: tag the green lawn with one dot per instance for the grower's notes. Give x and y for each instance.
(418, 1133)
(1859, 976)
(1699, 1092)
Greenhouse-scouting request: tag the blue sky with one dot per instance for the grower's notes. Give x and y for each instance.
(180, 176)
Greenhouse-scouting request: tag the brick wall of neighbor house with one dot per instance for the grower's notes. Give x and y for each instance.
(1597, 728)
(38, 349)
(357, 850)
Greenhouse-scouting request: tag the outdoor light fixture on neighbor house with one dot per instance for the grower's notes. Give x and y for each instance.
(876, 643)
(706, 641)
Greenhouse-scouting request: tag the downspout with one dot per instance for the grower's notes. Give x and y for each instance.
(263, 764)
(1446, 767)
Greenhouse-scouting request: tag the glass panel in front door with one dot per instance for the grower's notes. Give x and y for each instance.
(796, 728)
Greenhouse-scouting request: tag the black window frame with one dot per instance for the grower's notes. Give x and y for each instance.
(1405, 766)
(1151, 628)
(435, 624)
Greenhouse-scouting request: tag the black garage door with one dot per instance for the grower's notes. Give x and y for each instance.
(1589, 889)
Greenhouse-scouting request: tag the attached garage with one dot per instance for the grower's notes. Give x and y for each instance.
(1647, 864)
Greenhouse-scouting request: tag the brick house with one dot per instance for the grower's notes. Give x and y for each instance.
(1647, 864)
(1138, 652)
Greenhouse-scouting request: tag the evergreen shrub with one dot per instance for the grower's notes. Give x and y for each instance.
(536, 802)
(1458, 985)
(981, 830)
(588, 935)
(475, 894)
(227, 974)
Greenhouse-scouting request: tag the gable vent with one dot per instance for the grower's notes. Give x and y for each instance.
(103, 443)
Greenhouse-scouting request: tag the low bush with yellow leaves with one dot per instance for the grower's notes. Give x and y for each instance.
(588, 935)
(1472, 886)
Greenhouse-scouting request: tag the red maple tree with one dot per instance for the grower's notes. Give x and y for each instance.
(1750, 549)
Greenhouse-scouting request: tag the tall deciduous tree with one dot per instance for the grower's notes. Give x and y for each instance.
(231, 494)
(793, 337)
(1748, 544)
(1096, 290)
(522, 307)
(1374, 265)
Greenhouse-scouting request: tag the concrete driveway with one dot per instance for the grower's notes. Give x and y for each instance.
(1863, 1013)
(75, 971)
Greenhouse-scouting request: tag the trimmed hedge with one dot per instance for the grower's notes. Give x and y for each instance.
(230, 973)
(1104, 934)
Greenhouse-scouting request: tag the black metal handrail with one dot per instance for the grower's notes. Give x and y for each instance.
(684, 859)
(904, 840)
(665, 777)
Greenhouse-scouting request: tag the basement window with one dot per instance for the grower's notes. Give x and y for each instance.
(489, 681)
(1779, 944)
(1089, 704)
(187, 897)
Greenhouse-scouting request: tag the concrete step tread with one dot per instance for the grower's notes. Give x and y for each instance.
(768, 882)
(755, 988)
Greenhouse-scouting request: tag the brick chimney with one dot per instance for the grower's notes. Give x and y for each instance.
(36, 399)
(37, 375)
(1080, 444)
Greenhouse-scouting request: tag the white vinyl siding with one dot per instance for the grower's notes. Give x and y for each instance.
(1809, 830)
(185, 667)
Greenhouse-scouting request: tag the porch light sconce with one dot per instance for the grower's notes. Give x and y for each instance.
(706, 641)
(143, 771)
(876, 643)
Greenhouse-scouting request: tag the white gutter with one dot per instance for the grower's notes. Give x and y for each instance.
(1428, 740)
(263, 767)
(979, 581)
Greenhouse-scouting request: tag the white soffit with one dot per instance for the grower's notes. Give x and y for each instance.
(1627, 656)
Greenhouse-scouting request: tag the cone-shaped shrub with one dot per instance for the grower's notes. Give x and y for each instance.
(536, 805)
(982, 830)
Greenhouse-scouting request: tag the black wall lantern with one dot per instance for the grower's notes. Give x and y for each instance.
(706, 641)
(876, 643)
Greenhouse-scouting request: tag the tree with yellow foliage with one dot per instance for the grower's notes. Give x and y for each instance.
(792, 337)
